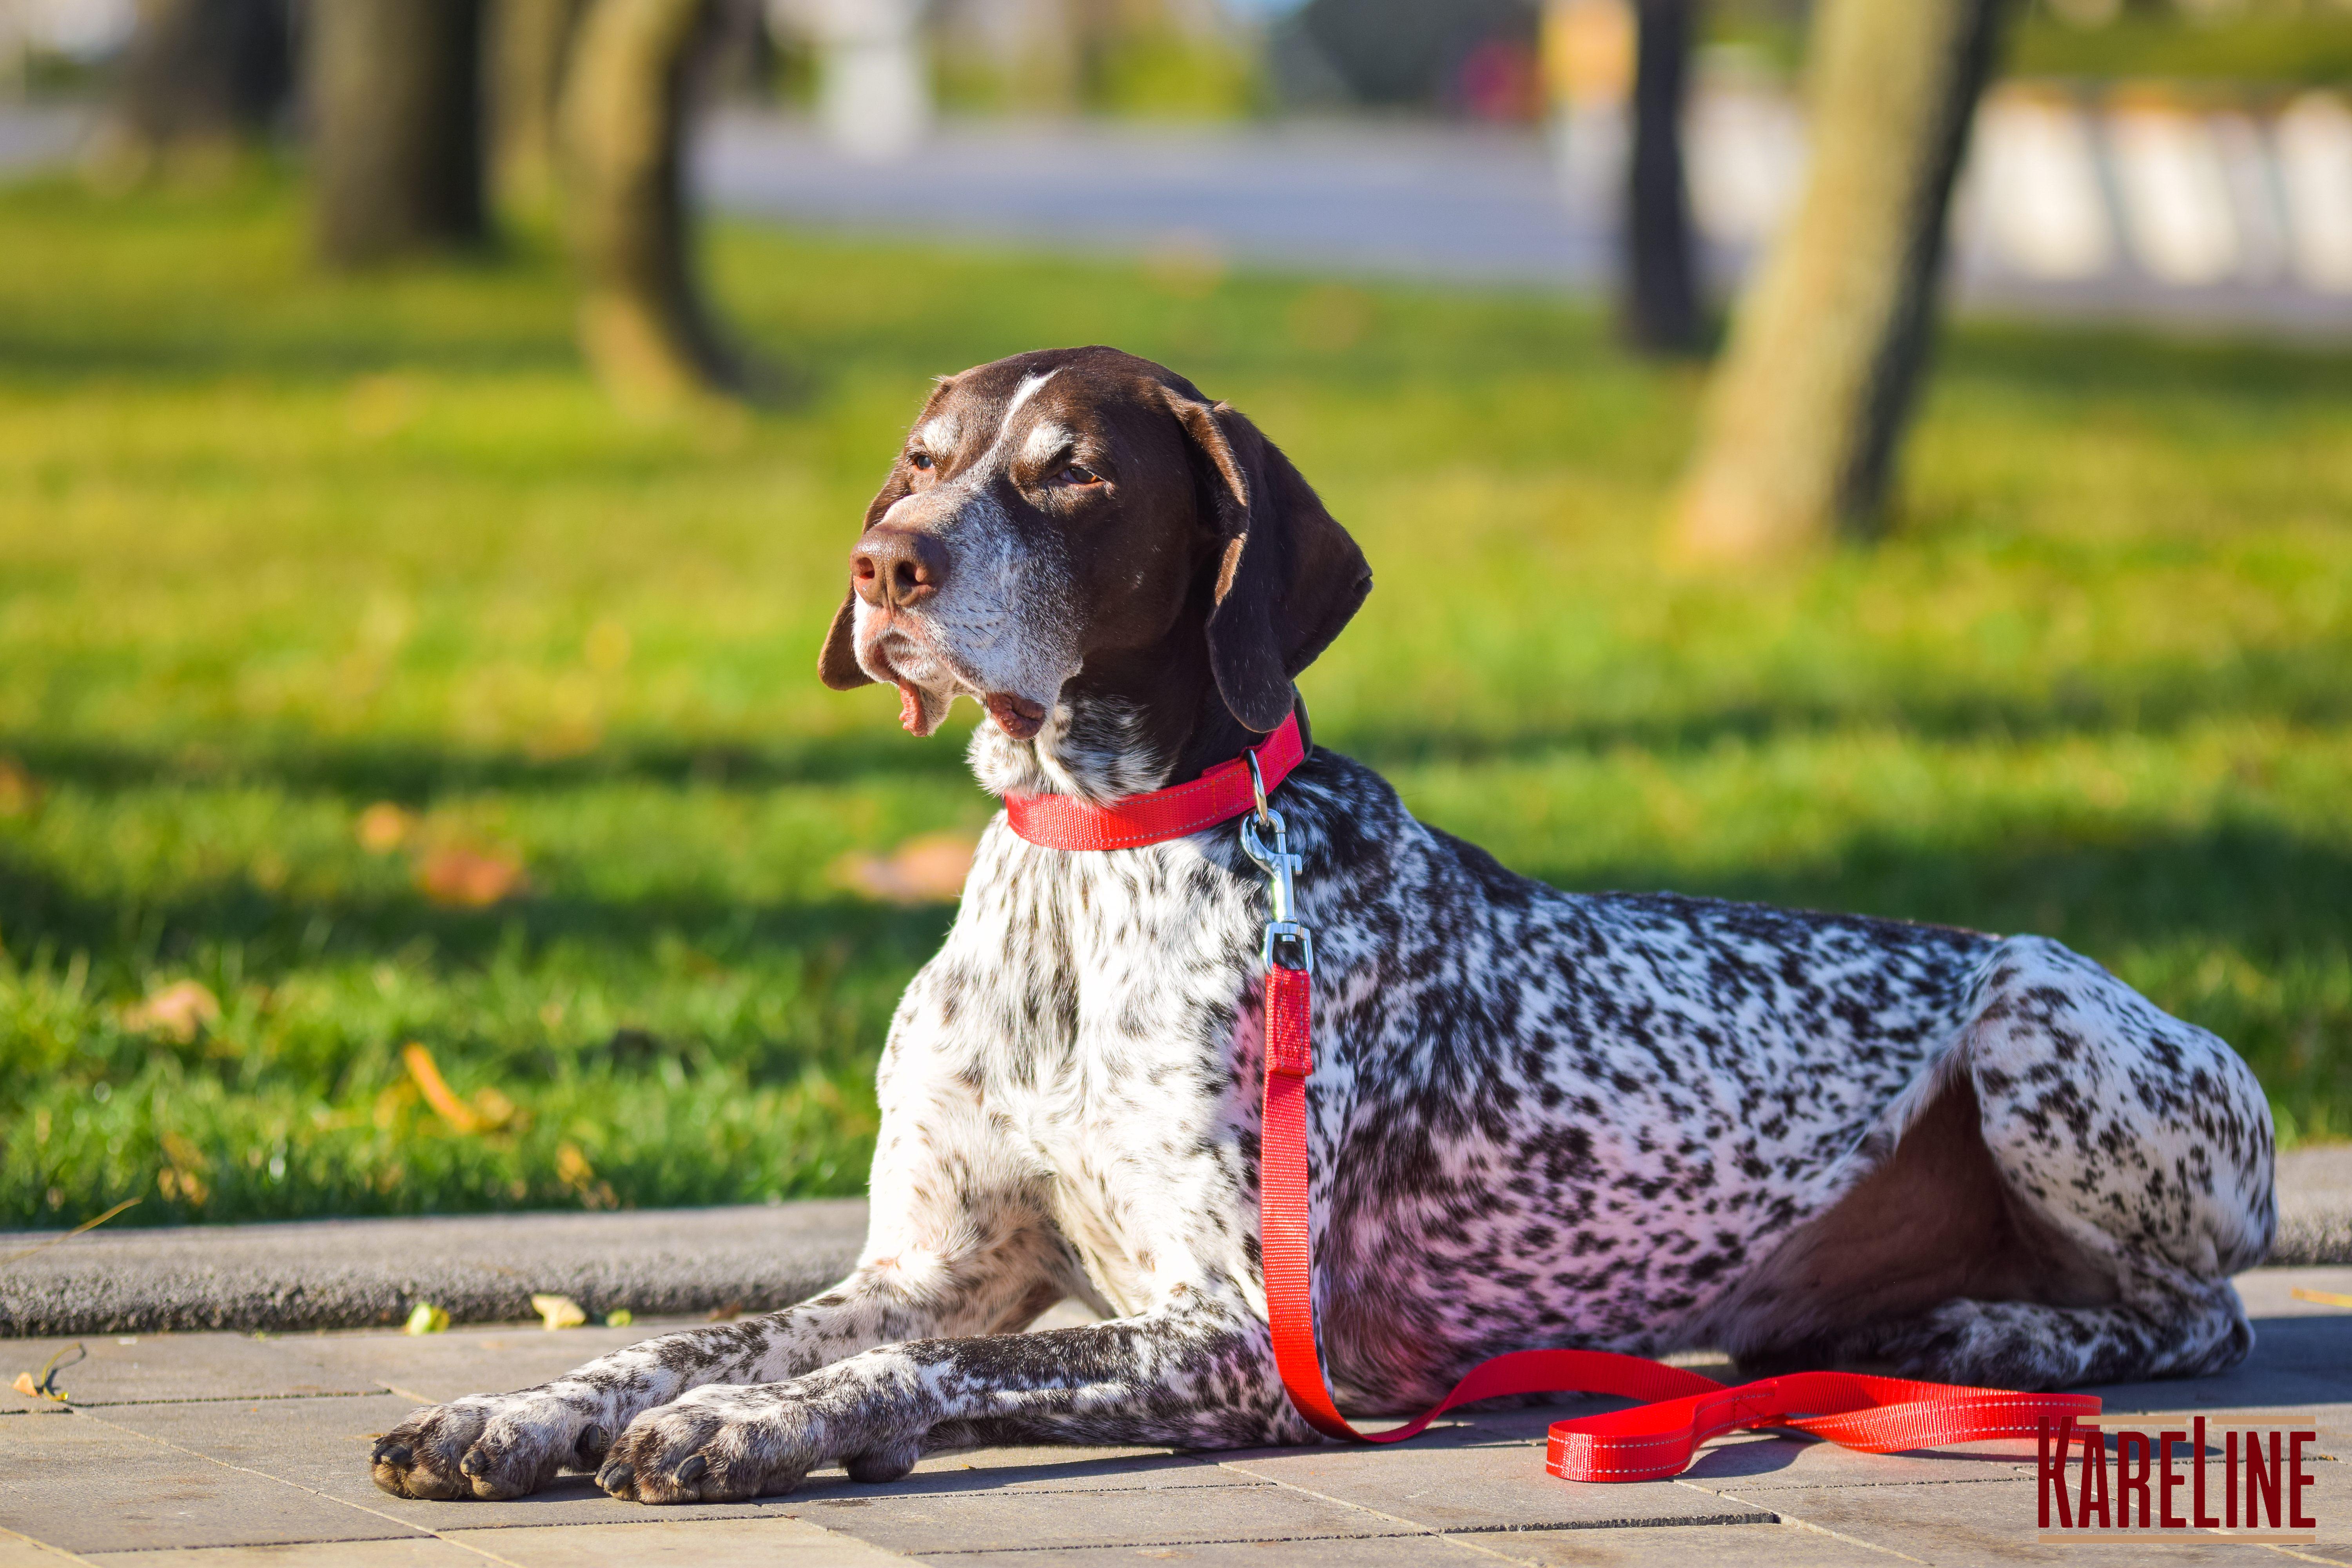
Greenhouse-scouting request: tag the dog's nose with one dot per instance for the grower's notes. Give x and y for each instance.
(897, 566)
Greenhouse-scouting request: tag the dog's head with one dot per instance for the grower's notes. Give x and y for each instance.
(1078, 535)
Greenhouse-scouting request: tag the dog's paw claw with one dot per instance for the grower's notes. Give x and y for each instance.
(491, 1447)
(723, 1446)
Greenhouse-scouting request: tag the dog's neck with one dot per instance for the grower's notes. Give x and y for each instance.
(1125, 724)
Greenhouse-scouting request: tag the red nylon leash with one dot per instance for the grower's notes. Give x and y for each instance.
(1651, 1441)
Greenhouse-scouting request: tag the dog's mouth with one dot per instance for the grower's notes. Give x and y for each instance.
(922, 707)
(928, 685)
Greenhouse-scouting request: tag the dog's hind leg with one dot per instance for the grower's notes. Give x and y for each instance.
(2180, 1327)
(958, 1244)
(2138, 1142)
(2073, 1186)
(2131, 1132)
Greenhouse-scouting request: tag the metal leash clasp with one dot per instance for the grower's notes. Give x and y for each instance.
(1284, 932)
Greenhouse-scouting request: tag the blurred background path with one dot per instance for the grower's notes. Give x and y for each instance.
(2155, 216)
(2169, 217)
(1477, 203)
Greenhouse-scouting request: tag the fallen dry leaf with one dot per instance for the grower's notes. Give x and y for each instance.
(926, 869)
(385, 828)
(179, 1010)
(489, 1110)
(20, 791)
(426, 1319)
(43, 1384)
(558, 1312)
(463, 878)
(573, 1169)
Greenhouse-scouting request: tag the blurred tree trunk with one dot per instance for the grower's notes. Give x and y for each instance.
(530, 40)
(200, 76)
(1661, 311)
(1827, 349)
(395, 105)
(643, 325)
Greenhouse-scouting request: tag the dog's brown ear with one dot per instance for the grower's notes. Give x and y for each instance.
(1288, 577)
(837, 665)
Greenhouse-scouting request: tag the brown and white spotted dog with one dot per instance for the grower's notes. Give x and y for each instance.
(1634, 1122)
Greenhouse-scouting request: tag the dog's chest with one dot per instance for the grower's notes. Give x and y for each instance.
(1118, 978)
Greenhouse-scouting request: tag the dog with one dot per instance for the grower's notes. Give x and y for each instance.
(1632, 1122)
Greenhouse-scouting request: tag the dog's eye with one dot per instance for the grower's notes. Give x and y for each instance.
(1078, 474)
(921, 461)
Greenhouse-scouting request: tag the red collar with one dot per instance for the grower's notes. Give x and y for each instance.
(1223, 792)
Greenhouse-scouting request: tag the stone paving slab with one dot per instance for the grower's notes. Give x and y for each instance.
(1481, 1489)
(322, 1445)
(1390, 1551)
(435, 1368)
(17, 1551)
(408, 1551)
(481, 1269)
(122, 1369)
(713, 1543)
(1717, 1546)
(662, 1543)
(86, 1485)
(982, 1521)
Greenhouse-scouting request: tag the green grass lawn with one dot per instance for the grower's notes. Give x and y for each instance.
(279, 549)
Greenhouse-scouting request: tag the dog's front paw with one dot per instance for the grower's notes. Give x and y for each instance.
(488, 1446)
(725, 1444)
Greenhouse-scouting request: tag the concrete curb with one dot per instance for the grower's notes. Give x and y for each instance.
(2314, 1200)
(350, 1274)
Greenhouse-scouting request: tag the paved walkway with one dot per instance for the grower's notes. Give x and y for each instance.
(217, 1450)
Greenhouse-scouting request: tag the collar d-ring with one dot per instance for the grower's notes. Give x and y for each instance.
(1257, 783)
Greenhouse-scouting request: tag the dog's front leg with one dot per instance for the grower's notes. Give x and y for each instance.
(1196, 1374)
(507, 1444)
(958, 1245)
